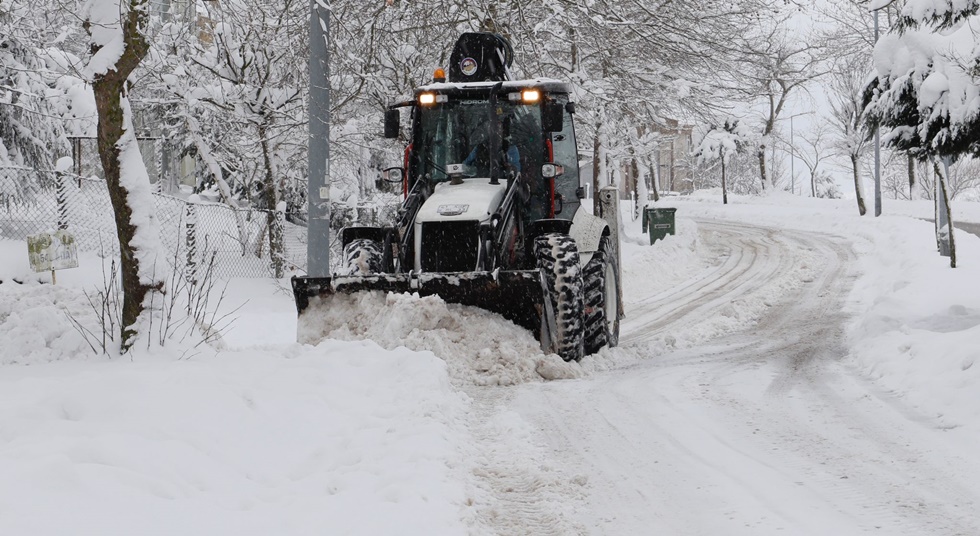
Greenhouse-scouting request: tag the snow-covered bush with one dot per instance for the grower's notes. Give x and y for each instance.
(720, 143)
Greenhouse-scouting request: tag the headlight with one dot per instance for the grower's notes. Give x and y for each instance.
(530, 95)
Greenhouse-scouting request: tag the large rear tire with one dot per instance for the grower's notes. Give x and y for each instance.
(601, 279)
(362, 256)
(557, 258)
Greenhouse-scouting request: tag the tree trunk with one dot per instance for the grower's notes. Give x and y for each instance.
(762, 166)
(634, 178)
(111, 102)
(858, 191)
(655, 178)
(724, 184)
(911, 163)
(634, 182)
(596, 167)
(270, 197)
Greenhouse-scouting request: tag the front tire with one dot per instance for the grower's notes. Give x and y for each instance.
(601, 279)
(362, 257)
(557, 258)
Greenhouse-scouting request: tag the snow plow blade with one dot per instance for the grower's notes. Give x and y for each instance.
(516, 295)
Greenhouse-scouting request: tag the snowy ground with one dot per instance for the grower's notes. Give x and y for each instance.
(786, 367)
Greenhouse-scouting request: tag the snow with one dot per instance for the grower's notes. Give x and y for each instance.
(933, 66)
(104, 17)
(721, 142)
(375, 430)
(246, 443)
(146, 244)
(924, 10)
(913, 317)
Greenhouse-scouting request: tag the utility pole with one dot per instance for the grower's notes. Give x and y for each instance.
(877, 148)
(318, 185)
(792, 157)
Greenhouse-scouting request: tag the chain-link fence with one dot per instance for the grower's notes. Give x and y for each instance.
(85, 157)
(34, 201)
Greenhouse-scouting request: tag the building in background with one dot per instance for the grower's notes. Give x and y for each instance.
(673, 159)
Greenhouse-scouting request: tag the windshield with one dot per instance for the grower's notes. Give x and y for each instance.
(459, 132)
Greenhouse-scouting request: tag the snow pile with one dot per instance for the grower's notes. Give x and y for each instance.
(478, 346)
(919, 320)
(34, 323)
(483, 348)
(650, 269)
(344, 438)
(338, 438)
(34, 315)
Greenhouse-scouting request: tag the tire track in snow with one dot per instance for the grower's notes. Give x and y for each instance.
(523, 493)
(760, 431)
(755, 260)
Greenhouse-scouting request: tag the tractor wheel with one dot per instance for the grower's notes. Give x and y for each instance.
(362, 257)
(557, 258)
(601, 279)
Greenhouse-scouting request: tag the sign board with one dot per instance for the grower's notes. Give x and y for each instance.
(49, 252)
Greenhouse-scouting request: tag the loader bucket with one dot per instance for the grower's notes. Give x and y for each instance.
(516, 295)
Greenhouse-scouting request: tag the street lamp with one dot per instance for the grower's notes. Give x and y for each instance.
(792, 151)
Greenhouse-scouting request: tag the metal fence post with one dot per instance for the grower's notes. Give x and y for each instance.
(76, 155)
(190, 237)
(277, 235)
(61, 198)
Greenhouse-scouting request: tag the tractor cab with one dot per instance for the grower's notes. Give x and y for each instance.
(513, 133)
(480, 125)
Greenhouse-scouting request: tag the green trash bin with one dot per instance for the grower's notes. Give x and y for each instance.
(658, 222)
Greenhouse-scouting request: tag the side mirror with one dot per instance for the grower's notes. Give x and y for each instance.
(552, 114)
(550, 171)
(392, 126)
(393, 175)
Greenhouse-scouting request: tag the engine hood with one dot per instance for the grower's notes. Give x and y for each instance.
(474, 199)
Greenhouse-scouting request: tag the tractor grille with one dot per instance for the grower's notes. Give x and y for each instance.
(450, 246)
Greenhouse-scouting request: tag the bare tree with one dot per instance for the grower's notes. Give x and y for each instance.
(815, 151)
(847, 82)
(776, 65)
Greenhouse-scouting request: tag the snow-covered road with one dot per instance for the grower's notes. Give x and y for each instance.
(762, 431)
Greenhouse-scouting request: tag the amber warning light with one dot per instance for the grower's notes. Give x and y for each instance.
(439, 75)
